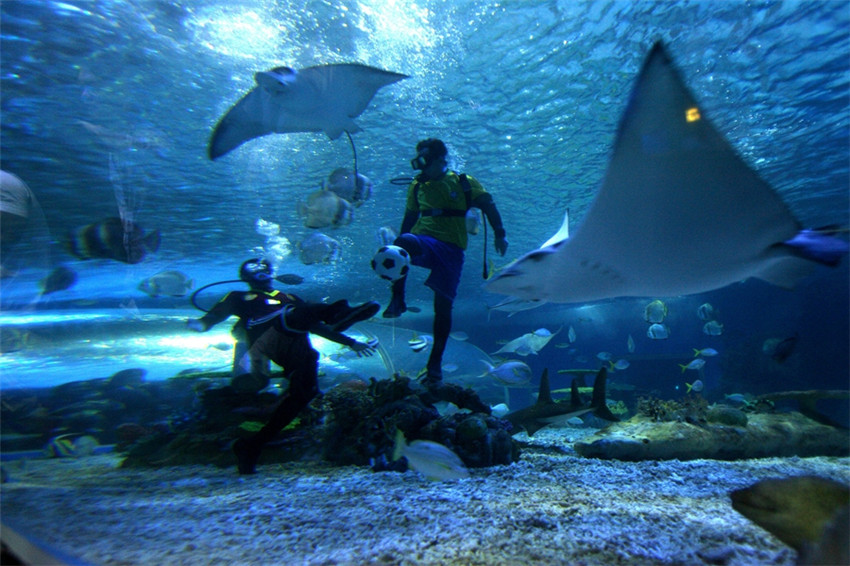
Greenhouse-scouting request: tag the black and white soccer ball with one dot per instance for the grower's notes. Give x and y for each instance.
(391, 262)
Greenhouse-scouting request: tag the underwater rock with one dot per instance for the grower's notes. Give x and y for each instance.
(351, 424)
(726, 415)
(472, 428)
(764, 436)
(361, 425)
(127, 378)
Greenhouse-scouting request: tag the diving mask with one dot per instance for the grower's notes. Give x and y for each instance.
(421, 160)
(255, 271)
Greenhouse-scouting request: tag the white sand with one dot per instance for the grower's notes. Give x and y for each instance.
(553, 507)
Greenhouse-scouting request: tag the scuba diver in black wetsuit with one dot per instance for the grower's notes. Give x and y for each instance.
(434, 233)
(276, 327)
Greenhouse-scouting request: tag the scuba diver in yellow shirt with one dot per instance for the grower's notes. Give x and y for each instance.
(434, 233)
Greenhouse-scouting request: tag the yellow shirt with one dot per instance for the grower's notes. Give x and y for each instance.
(446, 194)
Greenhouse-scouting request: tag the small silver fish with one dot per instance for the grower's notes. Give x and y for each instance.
(655, 311)
(325, 208)
(713, 328)
(170, 283)
(696, 364)
(431, 459)
(705, 352)
(705, 311)
(511, 372)
(658, 331)
(696, 386)
(319, 248)
(341, 182)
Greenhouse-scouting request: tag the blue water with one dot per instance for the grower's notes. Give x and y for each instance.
(107, 108)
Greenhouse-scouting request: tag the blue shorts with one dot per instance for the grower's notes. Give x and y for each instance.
(444, 260)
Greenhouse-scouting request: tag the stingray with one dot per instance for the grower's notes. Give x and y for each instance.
(678, 213)
(325, 98)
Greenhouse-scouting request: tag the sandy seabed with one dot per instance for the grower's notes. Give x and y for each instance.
(552, 507)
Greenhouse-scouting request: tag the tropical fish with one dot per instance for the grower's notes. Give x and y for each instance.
(705, 352)
(706, 312)
(113, 239)
(324, 98)
(450, 367)
(62, 277)
(459, 335)
(713, 328)
(222, 346)
(630, 344)
(319, 248)
(658, 331)
(808, 513)
(325, 208)
(737, 398)
(289, 278)
(341, 181)
(71, 445)
(604, 356)
(655, 311)
(499, 410)
(696, 386)
(675, 190)
(385, 236)
(511, 373)
(418, 343)
(431, 459)
(60, 446)
(546, 411)
(696, 364)
(619, 365)
(571, 334)
(169, 283)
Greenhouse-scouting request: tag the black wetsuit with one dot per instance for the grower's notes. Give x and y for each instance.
(277, 327)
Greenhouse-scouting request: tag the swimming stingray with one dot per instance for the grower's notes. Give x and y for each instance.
(678, 213)
(325, 98)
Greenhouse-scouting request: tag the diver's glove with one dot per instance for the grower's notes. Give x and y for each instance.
(196, 324)
(501, 245)
(364, 349)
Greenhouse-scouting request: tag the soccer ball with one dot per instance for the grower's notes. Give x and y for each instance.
(391, 263)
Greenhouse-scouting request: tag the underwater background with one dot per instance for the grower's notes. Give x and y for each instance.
(107, 109)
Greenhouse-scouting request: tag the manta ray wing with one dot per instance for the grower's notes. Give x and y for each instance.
(678, 212)
(344, 91)
(323, 98)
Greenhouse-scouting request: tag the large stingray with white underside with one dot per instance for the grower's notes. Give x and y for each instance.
(678, 213)
(324, 98)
